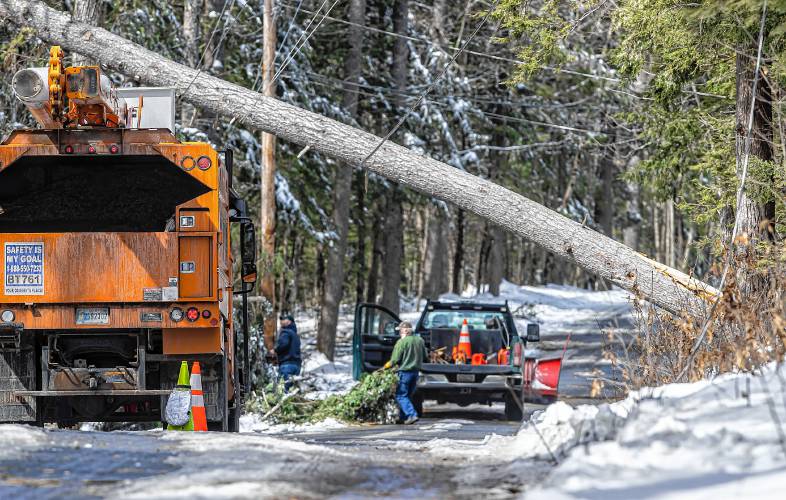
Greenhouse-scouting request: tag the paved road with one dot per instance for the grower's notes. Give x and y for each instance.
(452, 453)
(442, 456)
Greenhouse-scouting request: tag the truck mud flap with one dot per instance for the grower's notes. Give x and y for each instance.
(17, 373)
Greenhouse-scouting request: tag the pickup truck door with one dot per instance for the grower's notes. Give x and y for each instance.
(373, 338)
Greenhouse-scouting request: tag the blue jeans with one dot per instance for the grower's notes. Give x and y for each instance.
(286, 371)
(407, 383)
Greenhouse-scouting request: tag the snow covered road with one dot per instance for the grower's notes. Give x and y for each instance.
(351, 462)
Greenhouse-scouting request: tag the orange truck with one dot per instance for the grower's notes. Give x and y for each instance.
(116, 247)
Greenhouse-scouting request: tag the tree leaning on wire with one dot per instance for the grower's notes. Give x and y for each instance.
(598, 254)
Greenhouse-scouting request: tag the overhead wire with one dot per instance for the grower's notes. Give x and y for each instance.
(430, 87)
(207, 46)
(503, 58)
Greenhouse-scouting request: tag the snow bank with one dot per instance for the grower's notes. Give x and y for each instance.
(16, 439)
(251, 422)
(703, 440)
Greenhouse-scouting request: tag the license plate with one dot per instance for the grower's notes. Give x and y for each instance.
(92, 316)
(465, 378)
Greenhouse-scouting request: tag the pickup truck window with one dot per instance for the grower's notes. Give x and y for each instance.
(477, 320)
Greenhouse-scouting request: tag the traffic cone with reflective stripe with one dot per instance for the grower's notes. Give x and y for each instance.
(197, 399)
(464, 351)
(183, 385)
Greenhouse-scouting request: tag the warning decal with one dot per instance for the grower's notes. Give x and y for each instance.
(24, 269)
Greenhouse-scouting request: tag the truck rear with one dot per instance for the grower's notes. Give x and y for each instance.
(476, 355)
(115, 242)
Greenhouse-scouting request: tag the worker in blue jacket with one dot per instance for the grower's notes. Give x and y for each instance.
(288, 350)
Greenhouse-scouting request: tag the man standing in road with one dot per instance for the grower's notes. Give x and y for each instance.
(288, 350)
(408, 355)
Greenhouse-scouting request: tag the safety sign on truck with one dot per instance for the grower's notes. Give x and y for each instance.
(24, 268)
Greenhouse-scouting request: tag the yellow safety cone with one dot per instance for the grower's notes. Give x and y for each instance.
(183, 387)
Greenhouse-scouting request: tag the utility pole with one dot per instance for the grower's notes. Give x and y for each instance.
(268, 179)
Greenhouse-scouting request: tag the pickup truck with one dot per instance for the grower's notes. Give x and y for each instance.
(502, 370)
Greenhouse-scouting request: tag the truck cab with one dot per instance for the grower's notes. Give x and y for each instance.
(499, 368)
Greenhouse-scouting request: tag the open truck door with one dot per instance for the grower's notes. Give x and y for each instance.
(373, 338)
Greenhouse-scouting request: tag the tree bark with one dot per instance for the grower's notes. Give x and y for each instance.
(191, 35)
(632, 228)
(594, 252)
(342, 192)
(755, 219)
(267, 188)
(435, 265)
(88, 12)
(458, 255)
(394, 250)
(394, 221)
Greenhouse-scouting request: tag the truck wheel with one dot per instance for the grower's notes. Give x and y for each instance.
(512, 410)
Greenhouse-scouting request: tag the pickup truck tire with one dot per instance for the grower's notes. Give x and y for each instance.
(513, 410)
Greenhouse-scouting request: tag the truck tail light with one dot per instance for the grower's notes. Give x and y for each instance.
(517, 351)
(206, 314)
(204, 163)
(91, 149)
(192, 314)
(114, 149)
(176, 314)
(68, 149)
(187, 163)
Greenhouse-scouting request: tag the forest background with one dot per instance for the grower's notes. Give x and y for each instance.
(627, 116)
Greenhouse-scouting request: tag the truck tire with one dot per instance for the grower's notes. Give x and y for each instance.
(512, 410)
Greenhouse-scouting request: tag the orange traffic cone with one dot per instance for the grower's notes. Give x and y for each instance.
(198, 399)
(464, 346)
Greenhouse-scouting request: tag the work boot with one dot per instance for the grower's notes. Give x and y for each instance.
(411, 420)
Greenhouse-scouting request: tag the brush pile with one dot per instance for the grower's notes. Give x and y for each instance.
(370, 401)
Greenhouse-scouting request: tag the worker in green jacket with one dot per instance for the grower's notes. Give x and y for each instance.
(408, 355)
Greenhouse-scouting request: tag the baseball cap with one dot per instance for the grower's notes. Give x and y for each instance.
(404, 325)
(287, 316)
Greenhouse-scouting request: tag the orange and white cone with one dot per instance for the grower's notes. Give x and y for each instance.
(464, 345)
(198, 399)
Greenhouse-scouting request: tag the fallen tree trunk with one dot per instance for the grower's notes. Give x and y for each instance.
(594, 252)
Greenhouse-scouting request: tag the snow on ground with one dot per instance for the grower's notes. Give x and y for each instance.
(721, 439)
(553, 306)
(252, 422)
(17, 439)
(712, 439)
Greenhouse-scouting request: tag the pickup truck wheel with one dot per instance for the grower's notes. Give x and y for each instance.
(512, 410)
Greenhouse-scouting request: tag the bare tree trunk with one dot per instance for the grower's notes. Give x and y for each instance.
(632, 229)
(669, 232)
(394, 251)
(267, 188)
(495, 263)
(435, 265)
(88, 12)
(342, 192)
(191, 35)
(458, 255)
(394, 227)
(377, 252)
(360, 228)
(594, 252)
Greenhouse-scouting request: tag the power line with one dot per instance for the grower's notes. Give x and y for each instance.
(207, 46)
(296, 47)
(431, 86)
(506, 59)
